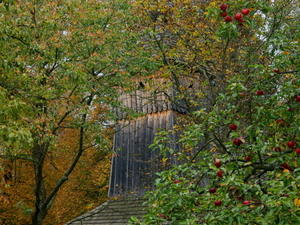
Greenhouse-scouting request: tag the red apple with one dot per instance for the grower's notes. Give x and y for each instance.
(223, 7)
(232, 189)
(246, 202)
(245, 11)
(285, 166)
(218, 203)
(298, 98)
(291, 109)
(297, 151)
(218, 164)
(223, 14)
(238, 17)
(228, 19)
(276, 70)
(212, 190)
(260, 92)
(163, 216)
(248, 158)
(220, 173)
(291, 144)
(176, 181)
(242, 95)
(233, 126)
(281, 122)
(238, 141)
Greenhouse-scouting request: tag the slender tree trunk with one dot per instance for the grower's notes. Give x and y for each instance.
(38, 154)
(39, 215)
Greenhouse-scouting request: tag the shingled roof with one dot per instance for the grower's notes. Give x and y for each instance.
(116, 212)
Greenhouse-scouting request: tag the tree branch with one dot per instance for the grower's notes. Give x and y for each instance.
(75, 161)
(207, 143)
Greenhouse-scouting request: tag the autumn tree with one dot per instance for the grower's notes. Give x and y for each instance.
(87, 186)
(235, 67)
(85, 189)
(60, 60)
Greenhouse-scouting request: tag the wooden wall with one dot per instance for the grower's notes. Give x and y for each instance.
(133, 163)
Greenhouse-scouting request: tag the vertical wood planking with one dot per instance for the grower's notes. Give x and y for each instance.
(130, 156)
(121, 164)
(127, 149)
(148, 141)
(137, 159)
(135, 165)
(144, 102)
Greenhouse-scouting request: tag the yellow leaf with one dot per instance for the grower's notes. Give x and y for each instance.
(164, 160)
(295, 164)
(297, 202)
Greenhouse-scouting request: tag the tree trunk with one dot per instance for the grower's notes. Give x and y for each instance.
(38, 155)
(39, 215)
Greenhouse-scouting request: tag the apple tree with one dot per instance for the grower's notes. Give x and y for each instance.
(59, 61)
(245, 139)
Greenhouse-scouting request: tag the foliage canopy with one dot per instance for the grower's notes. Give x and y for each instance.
(60, 62)
(248, 73)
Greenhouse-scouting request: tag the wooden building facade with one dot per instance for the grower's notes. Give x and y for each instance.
(134, 164)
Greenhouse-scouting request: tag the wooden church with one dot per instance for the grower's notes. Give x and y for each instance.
(134, 164)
